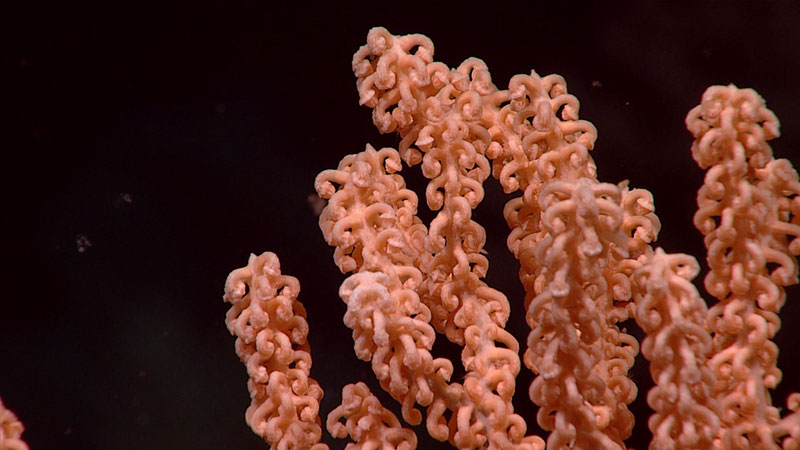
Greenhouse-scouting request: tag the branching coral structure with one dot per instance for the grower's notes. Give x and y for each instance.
(587, 263)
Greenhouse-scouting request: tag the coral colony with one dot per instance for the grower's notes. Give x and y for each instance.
(586, 262)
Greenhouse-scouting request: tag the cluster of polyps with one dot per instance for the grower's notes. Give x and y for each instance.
(586, 264)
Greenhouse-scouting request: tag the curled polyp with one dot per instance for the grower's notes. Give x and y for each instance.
(582, 132)
(523, 89)
(466, 157)
(436, 423)
(410, 414)
(471, 189)
(379, 216)
(439, 74)
(398, 384)
(379, 40)
(497, 307)
(459, 82)
(412, 359)
(471, 66)
(469, 105)
(757, 337)
(482, 84)
(385, 75)
(448, 94)
(407, 103)
(324, 182)
(544, 121)
(236, 285)
(366, 91)
(424, 395)
(503, 379)
(432, 162)
(470, 432)
(522, 126)
(379, 356)
(425, 140)
(424, 45)
(496, 411)
(786, 273)
(414, 69)
(709, 149)
(384, 115)
(781, 176)
(553, 217)
(264, 343)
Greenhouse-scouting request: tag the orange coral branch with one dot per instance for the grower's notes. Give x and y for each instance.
(10, 430)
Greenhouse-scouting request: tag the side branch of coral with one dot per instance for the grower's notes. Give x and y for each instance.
(749, 212)
(271, 340)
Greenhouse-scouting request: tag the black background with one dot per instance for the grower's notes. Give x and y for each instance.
(176, 138)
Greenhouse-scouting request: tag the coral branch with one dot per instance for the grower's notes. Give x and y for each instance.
(749, 212)
(678, 347)
(10, 430)
(270, 328)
